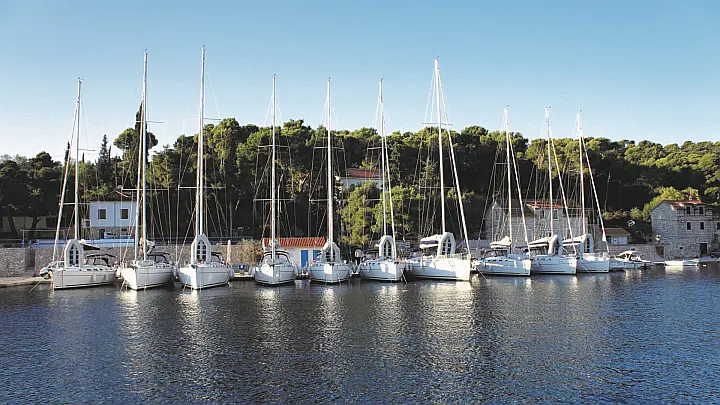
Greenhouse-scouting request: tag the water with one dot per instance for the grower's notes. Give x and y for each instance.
(638, 337)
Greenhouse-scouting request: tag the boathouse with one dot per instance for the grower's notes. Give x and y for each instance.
(300, 250)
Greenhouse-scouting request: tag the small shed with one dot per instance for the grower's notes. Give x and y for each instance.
(300, 250)
(617, 236)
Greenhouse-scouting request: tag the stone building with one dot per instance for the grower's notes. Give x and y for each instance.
(685, 228)
(537, 220)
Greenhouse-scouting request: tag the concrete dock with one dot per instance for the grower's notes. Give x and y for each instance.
(21, 281)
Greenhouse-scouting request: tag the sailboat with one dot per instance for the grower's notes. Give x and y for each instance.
(552, 258)
(70, 271)
(589, 261)
(384, 267)
(502, 260)
(206, 268)
(440, 259)
(276, 267)
(147, 269)
(329, 267)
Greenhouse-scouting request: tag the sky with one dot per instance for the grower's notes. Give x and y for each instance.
(637, 69)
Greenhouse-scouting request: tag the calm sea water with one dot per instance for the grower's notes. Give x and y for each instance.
(638, 337)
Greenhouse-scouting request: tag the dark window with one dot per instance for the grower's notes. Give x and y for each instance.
(688, 210)
(701, 210)
(702, 226)
(2, 219)
(717, 226)
(689, 226)
(102, 214)
(124, 213)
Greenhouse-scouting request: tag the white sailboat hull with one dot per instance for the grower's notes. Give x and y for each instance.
(593, 264)
(139, 276)
(504, 266)
(382, 270)
(200, 276)
(441, 268)
(276, 274)
(682, 263)
(330, 272)
(82, 276)
(543, 264)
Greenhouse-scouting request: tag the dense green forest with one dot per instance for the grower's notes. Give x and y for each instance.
(630, 177)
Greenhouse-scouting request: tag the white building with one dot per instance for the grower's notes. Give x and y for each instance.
(111, 219)
(685, 228)
(357, 177)
(300, 250)
(617, 236)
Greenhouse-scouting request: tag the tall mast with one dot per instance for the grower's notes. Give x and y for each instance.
(382, 158)
(140, 208)
(77, 165)
(329, 177)
(442, 177)
(200, 191)
(509, 182)
(143, 147)
(272, 182)
(549, 135)
(582, 177)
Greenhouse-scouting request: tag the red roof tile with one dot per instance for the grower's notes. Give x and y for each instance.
(616, 232)
(363, 173)
(298, 242)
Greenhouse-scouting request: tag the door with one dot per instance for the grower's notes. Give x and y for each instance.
(303, 258)
(703, 249)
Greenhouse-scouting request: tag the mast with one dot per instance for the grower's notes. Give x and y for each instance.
(272, 182)
(582, 178)
(382, 158)
(329, 178)
(509, 182)
(200, 191)
(143, 147)
(592, 182)
(141, 171)
(442, 178)
(549, 135)
(76, 204)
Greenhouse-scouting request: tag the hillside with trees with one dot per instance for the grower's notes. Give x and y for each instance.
(631, 178)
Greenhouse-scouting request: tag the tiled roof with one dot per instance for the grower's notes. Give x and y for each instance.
(543, 204)
(298, 242)
(616, 232)
(363, 173)
(682, 204)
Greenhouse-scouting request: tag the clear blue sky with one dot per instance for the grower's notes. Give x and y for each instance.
(637, 69)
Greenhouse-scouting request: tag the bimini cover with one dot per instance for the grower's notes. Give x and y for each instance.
(542, 242)
(430, 241)
(330, 253)
(201, 250)
(386, 247)
(585, 242)
(74, 253)
(503, 243)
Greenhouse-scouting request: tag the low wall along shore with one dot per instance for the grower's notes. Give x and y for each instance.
(16, 262)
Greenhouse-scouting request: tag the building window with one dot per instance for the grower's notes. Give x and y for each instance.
(689, 226)
(717, 226)
(124, 213)
(702, 226)
(701, 210)
(3, 219)
(688, 210)
(102, 214)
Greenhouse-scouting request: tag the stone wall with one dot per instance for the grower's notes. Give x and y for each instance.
(14, 262)
(670, 225)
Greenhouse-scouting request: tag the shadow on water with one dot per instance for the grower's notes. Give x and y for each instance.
(638, 336)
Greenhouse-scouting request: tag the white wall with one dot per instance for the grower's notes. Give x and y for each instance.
(618, 240)
(112, 214)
